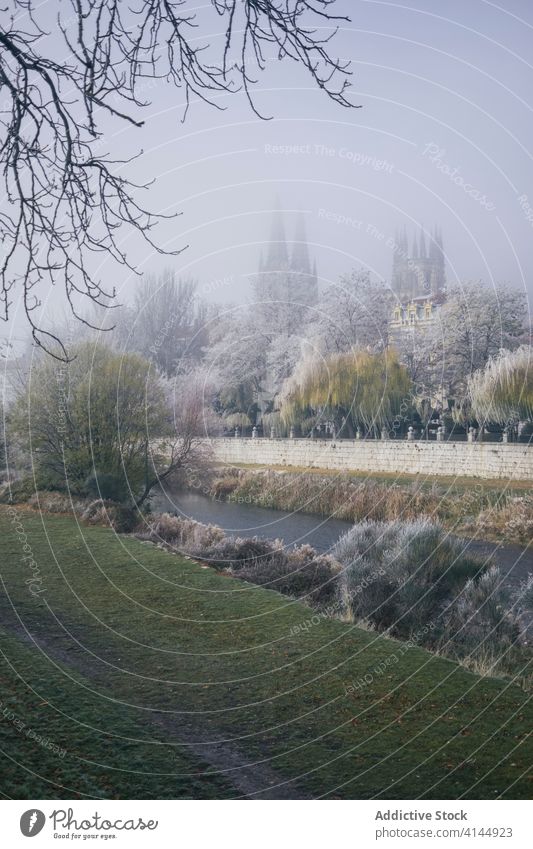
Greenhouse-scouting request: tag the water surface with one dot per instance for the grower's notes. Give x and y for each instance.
(296, 528)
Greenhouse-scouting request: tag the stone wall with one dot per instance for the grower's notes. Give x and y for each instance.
(457, 459)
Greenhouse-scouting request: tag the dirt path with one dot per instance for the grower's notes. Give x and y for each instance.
(255, 780)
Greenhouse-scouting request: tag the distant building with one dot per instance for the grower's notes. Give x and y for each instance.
(286, 275)
(418, 282)
(285, 287)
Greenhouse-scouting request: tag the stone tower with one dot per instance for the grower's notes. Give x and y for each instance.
(419, 273)
(286, 275)
(303, 278)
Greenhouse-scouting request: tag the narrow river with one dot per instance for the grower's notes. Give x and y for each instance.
(296, 528)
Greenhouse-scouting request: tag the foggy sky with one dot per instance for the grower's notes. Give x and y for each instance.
(443, 136)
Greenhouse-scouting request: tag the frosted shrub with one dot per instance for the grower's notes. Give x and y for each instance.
(300, 572)
(525, 593)
(481, 625)
(237, 553)
(184, 534)
(122, 519)
(56, 502)
(398, 576)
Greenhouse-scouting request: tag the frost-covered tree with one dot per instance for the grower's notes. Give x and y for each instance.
(474, 324)
(236, 359)
(502, 392)
(353, 313)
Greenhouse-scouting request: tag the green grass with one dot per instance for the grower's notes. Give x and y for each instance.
(59, 739)
(157, 642)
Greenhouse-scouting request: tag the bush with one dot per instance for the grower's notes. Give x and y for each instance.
(412, 580)
(181, 534)
(18, 491)
(107, 486)
(312, 582)
(400, 575)
(481, 625)
(299, 572)
(122, 519)
(56, 502)
(525, 593)
(225, 485)
(237, 554)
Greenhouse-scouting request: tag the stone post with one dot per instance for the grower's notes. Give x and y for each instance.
(291, 433)
(471, 434)
(505, 435)
(254, 432)
(272, 433)
(237, 433)
(358, 433)
(440, 434)
(410, 433)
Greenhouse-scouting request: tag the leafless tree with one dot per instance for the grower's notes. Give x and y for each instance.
(166, 323)
(67, 200)
(185, 448)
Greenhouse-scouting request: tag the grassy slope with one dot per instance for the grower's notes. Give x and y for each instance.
(95, 754)
(181, 638)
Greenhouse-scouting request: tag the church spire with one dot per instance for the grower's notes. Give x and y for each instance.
(405, 245)
(433, 245)
(300, 252)
(313, 287)
(277, 258)
(422, 243)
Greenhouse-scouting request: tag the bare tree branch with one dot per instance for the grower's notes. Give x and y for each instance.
(67, 201)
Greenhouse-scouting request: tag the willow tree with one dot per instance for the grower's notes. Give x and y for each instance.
(354, 390)
(502, 392)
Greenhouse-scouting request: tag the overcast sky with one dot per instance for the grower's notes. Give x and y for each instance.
(443, 136)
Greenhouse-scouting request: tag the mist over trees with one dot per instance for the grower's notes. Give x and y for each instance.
(130, 407)
(260, 374)
(353, 313)
(69, 200)
(165, 324)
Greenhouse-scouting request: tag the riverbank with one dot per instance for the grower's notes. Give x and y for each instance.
(239, 516)
(227, 689)
(261, 552)
(481, 509)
